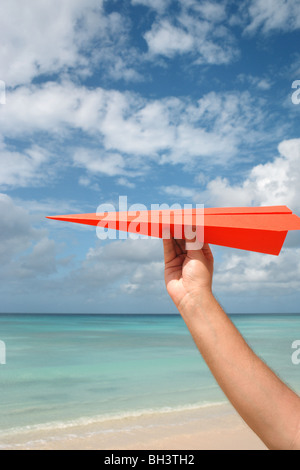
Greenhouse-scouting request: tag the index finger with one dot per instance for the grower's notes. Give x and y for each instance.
(169, 249)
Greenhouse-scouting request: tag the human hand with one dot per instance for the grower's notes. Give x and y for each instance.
(188, 273)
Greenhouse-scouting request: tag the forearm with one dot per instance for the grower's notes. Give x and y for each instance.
(267, 405)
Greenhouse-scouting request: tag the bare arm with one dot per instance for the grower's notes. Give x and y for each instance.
(266, 404)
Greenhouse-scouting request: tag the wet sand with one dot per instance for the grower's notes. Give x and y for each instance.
(216, 427)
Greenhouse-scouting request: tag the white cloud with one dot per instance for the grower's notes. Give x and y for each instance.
(208, 10)
(118, 68)
(41, 260)
(244, 272)
(294, 69)
(53, 107)
(16, 233)
(133, 251)
(148, 279)
(220, 193)
(272, 15)
(211, 11)
(38, 209)
(159, 5)
(30, 167)
(179, 191)
(28, 259)
(25, 252)
(135, 126)
(110, 164)
(125, 182)
(126, 133)
(128, 266)
(180, 132)
(57, 37)
(196, 30)
(262, 83)
(273, 183)
(167, 40)
(135, 268)
(84, 181)
(30, 36)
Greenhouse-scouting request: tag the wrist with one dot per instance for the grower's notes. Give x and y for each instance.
(193, 301)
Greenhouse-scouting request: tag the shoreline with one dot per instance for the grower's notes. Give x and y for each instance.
(210, 427)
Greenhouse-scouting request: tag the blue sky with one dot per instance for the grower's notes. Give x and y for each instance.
(162, 101)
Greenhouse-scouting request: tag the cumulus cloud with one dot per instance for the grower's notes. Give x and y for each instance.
(159, 5)
(121, 266)
(121, 134)
(54, 108)
(135, 268)
(271, 15)
(22, 169)
(211, 11)
(262, 83)
(165, 39)
(196, 30)
(25, 251)
(41, 260)
(38, 208)
(126, 133)
(29, 260)
(244, 272)
(136, 251)
(16, 233)
(47, 38)
(110, 164)
(178, 131)
(179, 191)
(275, 182)
(34, 28)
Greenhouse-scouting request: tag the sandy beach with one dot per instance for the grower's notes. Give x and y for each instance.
(215, 427)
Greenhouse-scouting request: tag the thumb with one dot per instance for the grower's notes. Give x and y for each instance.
(204, 254)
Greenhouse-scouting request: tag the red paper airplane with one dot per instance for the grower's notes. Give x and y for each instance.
(259, 229)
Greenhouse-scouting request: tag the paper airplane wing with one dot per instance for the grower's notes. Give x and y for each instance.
(259, 229)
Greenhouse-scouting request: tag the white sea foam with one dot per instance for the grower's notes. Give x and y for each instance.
(100, 419)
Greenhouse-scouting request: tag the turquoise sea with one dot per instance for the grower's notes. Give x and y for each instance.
(63, 369)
